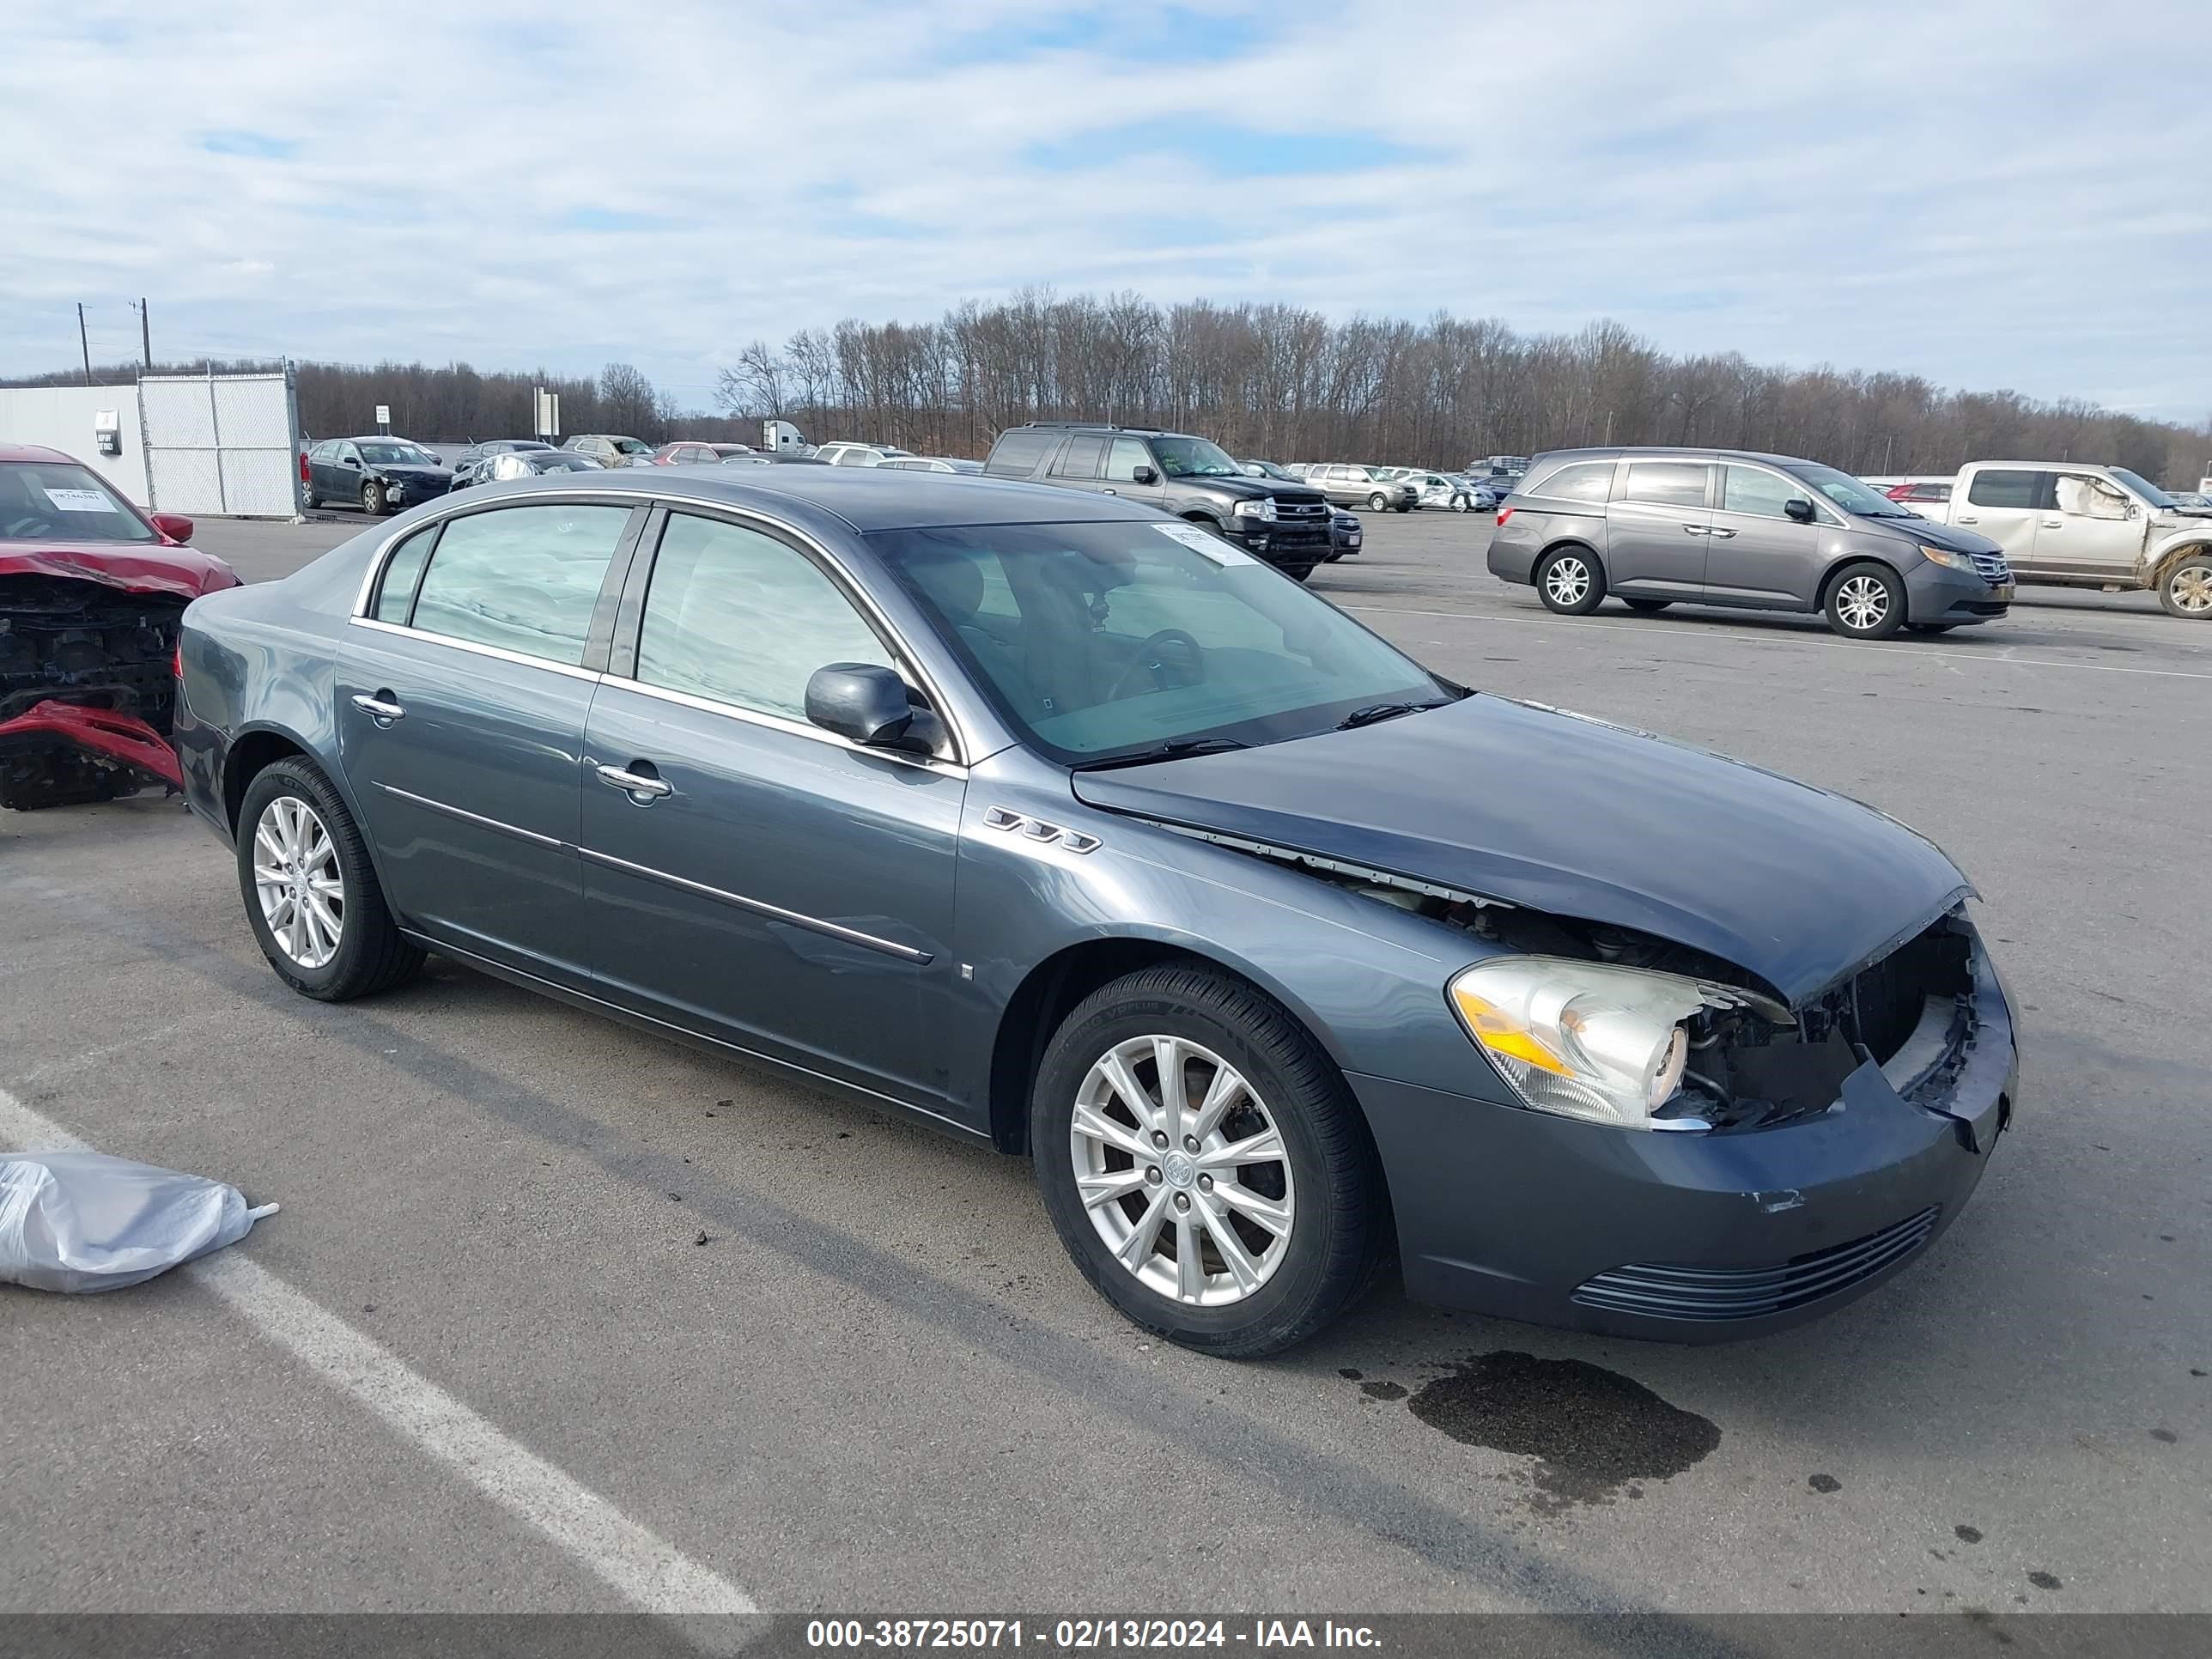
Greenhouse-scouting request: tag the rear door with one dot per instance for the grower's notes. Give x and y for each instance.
(2006, 504)
(1755, 553)
(772, 885)
(1656, 533)
(461, 705)
(1079, 462)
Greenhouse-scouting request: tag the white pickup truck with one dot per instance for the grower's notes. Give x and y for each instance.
(2062, 524)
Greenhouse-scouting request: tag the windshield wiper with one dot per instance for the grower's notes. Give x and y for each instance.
(1382, 711)
(1175, 749)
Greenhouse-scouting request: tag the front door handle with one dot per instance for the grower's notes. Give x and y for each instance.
(379, 708)
(2054, 524)
(1969, 519)
(637, 786)
(1695, 530)
(1109, 491)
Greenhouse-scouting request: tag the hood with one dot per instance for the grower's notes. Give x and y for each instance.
(1948, 537)
(1576, 818)
(1241, 488)
(136, 567)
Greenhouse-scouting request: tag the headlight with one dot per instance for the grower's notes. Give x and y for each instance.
(1263, 509)
(1944, 555)
(1587, 1040)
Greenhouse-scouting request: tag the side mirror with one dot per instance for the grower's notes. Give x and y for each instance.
(2134, 512)
(175, 526)
(1144, 475)
(868, 704)
(348, 460)
(1798, 508)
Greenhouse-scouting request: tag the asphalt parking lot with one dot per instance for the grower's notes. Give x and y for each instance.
(566, 1317)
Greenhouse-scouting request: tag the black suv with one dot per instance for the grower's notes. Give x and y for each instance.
(1285, 523)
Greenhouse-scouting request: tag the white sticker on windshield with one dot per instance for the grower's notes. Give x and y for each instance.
(80, 501)
(1205, 542)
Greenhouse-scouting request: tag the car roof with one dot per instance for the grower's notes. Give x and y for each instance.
(34, 452)
(1674, 452)
(864, 498)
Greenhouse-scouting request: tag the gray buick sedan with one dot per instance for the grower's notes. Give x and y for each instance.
(1072, 830)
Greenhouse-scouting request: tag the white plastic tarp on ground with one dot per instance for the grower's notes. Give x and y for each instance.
(84, 1221)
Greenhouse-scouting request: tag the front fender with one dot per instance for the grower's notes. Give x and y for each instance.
(2172, 545)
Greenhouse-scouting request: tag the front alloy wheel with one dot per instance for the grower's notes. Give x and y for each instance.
(372, 497)
(1377, 501)
(1867, 603)
(295, 877)
(2187, 589)
(1181, 1170)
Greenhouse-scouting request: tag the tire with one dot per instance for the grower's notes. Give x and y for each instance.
(1866, 601)
(370, 954)
(1649, 607)
(1298, 572)
(1377, 503)
(307, 501)
(1326, 1188)
(1571, 581)
(2185, 587)
(371, 498)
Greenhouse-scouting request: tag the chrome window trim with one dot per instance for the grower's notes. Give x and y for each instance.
(478, 819)
(497, 653)
(761, 907)
(840, 577)
(782, 723)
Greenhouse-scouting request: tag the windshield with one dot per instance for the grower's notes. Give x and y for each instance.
(65, 502)
(1103, 640)
(2150, 492)
(1194, 458)
(633, 446)
(560, 462)
(1849, 493)
(397, 455)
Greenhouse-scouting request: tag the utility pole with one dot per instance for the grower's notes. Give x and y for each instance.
(145, 337)
(84, 344)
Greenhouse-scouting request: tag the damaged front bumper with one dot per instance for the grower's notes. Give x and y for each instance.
(1695, 1237)
(105, 753)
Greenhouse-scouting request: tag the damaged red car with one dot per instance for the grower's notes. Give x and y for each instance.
(90, 591)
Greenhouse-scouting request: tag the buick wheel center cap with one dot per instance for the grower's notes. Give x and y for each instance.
(1179, 1170)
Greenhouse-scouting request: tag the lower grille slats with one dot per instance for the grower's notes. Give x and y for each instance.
(1662, 1291)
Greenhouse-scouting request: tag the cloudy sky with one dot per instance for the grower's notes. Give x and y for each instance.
(1991, 193)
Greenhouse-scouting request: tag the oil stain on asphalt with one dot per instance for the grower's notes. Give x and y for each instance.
(1594, 1433)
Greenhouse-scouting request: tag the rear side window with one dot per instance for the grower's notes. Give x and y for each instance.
(1080, 460)
(524, 579)
(1998, 488)
(395, 593)
(739, 617)
(1017, 453)
(1667, 484)
(1584, 481)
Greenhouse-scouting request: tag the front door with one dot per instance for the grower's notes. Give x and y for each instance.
(2090, 531)
(1654, 530)
(2005, 504)
(1125, 459)
(461, 706)
(747, 874)
(1755, 552)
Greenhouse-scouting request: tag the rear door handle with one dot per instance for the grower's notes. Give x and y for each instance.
(636, 785)
(379, 708)
(1723, 534)
(1109, 491)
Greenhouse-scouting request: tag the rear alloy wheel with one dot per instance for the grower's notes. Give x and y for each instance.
(1867, 603)
(312, 896)
(1377, 501)
(1203, 1164)
(2186, 588)
(1570, 582)
(371, 498)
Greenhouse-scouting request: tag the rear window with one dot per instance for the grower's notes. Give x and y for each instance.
(1017, 453)
(1667, 484)
(2000, 488)
(1583, 481)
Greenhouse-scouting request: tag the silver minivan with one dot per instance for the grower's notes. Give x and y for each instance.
(1374, 488)
(1656, 527)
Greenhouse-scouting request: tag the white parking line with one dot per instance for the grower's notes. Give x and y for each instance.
(638, 1565)
(1795, 642)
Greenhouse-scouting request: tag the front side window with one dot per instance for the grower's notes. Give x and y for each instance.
(1580, 481)
(1755, 489)
(2090, 497)
(524, 579)
(1667, 484)
(1123, 459)
(64, 501)
(739, 617)
(1999, 488)
(1101, 640)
